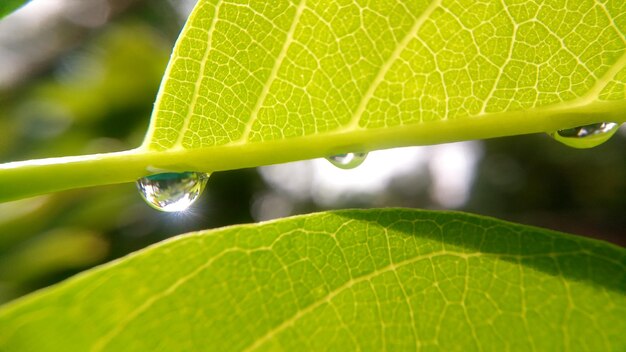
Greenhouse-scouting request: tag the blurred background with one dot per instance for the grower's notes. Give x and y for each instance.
(81, 76)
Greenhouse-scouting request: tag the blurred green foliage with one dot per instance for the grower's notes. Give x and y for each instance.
(96, 98)
(535, 180)
(8, 6)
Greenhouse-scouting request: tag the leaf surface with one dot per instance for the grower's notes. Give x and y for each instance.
(259, 83)
(245, 74)
(372, 280)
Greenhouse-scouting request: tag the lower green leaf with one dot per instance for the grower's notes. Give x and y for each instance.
(371, 280)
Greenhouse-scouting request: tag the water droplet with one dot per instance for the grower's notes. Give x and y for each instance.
(172, 192)
(348, 160)
(587, 136)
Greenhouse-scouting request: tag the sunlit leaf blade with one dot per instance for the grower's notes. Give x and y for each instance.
(258, 72)
(259, 83)
(8, 6)
(370, 280)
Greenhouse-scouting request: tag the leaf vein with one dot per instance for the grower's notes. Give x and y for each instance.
(274, 73)
(395, 55)
(198, 83)
(347, 285)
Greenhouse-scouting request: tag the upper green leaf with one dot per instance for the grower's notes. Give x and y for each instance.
(259, 83)
(456, 69)
(351, 280)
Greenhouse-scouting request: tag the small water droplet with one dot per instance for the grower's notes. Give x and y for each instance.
(587, 136)
(348, 160)
(172, 192)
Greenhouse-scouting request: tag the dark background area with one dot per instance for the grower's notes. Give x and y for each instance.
(82, 78)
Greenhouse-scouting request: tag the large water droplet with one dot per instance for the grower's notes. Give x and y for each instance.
(172, 191)
(587, 136)
(348, 160)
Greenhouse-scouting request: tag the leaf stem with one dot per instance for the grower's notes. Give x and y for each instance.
(29, 178)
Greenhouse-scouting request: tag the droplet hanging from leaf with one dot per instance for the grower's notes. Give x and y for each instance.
(172, 192)
(587, 136)
(348, 160)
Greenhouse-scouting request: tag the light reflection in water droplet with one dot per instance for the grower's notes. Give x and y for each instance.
(172, 192)
(348, 160)
(587, 136)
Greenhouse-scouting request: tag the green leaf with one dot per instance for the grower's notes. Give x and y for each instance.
(370, 280)
(8, 6)
(351, 71)
(261, 83)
